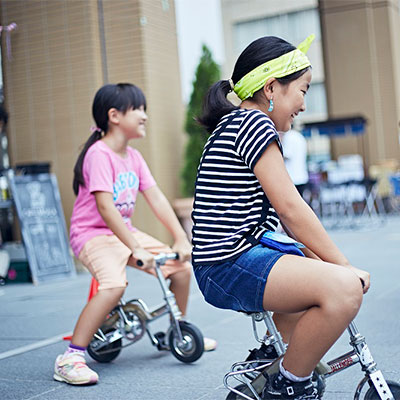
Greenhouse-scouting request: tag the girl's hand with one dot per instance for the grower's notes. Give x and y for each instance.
(143, 258)
(183, 248)
(364, 277)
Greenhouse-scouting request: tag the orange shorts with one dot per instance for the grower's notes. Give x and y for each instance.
(106, 257)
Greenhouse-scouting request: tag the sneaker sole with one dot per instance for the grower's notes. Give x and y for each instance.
(60, 378)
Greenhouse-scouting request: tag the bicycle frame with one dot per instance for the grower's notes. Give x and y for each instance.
(359, 355)
(168, 307)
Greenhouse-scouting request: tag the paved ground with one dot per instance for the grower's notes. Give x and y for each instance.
(39, 316)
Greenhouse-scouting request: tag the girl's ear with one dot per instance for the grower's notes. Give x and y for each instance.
(269, 87)
(113, 116)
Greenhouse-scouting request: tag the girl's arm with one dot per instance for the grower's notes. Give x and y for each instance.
(113, 219)
(295, 213)
(164, 212)
(306, 251)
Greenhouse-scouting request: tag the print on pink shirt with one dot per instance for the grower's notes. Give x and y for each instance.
(125, 183)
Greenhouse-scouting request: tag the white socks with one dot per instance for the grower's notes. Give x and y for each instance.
(290, 376)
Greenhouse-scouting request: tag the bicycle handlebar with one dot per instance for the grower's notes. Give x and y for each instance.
(161, 258)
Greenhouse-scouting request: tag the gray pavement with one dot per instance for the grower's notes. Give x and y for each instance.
(38, 316)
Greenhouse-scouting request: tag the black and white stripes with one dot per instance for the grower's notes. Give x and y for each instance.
(231, 211)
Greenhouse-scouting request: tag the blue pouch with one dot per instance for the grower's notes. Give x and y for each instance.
(282, 243)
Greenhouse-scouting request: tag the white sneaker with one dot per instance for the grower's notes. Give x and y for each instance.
(72, 369)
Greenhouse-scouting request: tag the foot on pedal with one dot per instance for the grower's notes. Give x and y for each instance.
(264, 352)
(279, 387)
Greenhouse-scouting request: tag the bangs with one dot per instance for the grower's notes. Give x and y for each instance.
(130, 96)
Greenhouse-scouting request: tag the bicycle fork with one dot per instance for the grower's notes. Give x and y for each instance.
(360, 354)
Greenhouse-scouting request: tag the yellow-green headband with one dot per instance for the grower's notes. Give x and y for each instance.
(284, 65)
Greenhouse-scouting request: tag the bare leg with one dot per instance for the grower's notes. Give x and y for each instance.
(93, 315)
(286, 323)
(179, 286)
(330, 296)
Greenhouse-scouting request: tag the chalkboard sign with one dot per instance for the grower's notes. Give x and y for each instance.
(39, 210)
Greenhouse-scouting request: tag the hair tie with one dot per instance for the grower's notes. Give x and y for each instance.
(231, 84)
(94, 129)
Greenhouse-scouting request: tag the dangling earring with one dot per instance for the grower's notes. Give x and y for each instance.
(271, 105)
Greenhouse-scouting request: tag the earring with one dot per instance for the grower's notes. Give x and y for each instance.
(271, 105)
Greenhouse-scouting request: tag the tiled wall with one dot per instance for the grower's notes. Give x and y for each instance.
(59, 60)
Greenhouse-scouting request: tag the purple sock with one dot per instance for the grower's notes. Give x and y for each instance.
(73, 348)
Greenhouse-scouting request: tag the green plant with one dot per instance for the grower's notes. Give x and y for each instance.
(207, 73)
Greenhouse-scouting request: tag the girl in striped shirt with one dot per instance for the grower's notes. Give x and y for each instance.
(242, 191)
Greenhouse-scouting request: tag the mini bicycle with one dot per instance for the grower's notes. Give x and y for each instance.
(252, 380)
(128, 322)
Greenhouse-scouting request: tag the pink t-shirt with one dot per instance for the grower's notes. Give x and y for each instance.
(106, 171)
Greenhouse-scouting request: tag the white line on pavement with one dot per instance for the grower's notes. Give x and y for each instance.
(34, 346)
(41, 394)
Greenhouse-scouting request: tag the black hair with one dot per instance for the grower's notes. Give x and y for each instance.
(3, 115)
(216, 105)
(121, 96)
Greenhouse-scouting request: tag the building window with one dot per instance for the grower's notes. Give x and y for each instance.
(315, 101)
(293, 27)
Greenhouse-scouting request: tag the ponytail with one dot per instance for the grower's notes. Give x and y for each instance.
(78, 174)
(216, 105)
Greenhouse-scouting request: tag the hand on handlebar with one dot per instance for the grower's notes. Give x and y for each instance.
(364, 277)
(183, 248)
(143, 258)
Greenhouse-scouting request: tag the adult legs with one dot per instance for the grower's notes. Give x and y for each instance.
(330, 296)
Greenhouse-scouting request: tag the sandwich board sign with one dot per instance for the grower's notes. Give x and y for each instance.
(44, 233)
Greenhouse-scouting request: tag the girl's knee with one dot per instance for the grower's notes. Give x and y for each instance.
(114, 294)
(183, 275)
(348, 292)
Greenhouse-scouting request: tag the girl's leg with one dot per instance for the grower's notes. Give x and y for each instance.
(94, 314)
(179, 286)
(286, 323)
(330, 296)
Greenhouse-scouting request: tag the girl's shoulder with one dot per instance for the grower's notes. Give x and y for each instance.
(99, 151)
(98, 147)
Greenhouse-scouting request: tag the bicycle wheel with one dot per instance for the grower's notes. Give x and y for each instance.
(107, 353)
(192, 347)
(234, 396)
(372, 394)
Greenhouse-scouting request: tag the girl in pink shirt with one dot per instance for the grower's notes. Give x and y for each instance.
(107, 178)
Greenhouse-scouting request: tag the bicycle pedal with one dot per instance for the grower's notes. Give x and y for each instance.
(161, 344)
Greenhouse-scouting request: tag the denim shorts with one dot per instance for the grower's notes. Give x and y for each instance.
(238, 284)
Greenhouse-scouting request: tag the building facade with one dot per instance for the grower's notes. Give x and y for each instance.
(62, 52)
(355, 58)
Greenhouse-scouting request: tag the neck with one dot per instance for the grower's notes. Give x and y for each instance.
(117, 141)
(252, 105)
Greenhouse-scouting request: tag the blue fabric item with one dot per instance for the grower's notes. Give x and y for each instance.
(238, 284)
(282, 243)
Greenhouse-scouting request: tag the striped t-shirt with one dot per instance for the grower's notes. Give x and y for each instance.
(231, 211)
